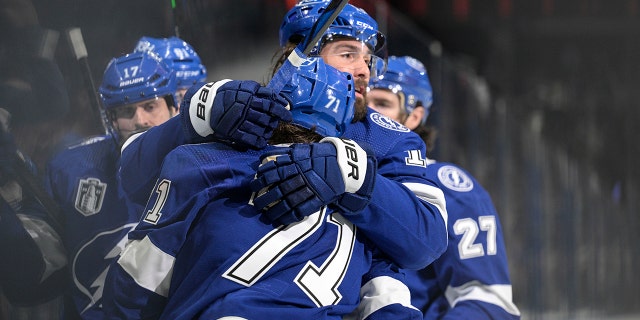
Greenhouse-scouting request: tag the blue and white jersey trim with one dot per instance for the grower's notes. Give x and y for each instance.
(157, 265)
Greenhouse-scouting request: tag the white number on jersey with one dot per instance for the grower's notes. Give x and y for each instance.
(318, 283)
(162, 190)
(469, 229)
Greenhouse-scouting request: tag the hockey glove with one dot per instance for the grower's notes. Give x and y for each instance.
(304, 177)
(243, 113)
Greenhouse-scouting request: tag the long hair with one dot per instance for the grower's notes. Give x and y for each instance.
(287, 132)
(280, 56)
(428, 135)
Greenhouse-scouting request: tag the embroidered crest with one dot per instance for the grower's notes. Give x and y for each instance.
(455, 179)
(90, 196)
(387, 122)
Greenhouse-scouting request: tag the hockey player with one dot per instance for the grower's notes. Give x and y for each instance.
(180, 57)
(402, 197)
(202, 250)
(404, 214)
(137, 91)
(471, 279)
(413, 115)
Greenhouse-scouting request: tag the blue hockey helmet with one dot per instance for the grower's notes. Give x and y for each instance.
(322, 97)
(352, 22)
(407, 77)
(136, 77)
(179, 56)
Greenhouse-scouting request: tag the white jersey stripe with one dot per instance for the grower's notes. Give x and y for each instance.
(497, 294)
(143, 255)
(378, 293)
(432, 195)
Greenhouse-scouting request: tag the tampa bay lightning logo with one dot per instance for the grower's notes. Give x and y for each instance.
(455, 179)
(92, 262)
(90, 196)
(387, 122)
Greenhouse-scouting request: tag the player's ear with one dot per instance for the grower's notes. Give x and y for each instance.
(414, 118)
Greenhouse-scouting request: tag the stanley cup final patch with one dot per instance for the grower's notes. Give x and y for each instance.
(90, 196)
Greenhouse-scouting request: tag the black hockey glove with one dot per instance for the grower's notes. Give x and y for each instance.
(297, 181)
(243, 113)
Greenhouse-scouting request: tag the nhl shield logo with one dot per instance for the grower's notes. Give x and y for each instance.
(90, 196)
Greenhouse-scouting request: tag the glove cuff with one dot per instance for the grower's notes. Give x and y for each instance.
(358, 170)
(200, 105)
(353, 203)
(352, 161)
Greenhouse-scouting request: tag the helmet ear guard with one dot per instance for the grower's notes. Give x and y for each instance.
(408, 76)
(322, 98)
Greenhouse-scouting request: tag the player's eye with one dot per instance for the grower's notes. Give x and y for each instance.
(126, 112)
(150, 107)
(349, 56)
(367, 59)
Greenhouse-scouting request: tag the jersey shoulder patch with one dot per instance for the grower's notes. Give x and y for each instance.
(90, 196)
(387, 122)
(455, 178)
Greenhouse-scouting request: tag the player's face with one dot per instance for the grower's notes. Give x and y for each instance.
(137, 117)
(354, 57)
(387, 103)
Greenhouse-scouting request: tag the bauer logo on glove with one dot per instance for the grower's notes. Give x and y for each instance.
(304, 177)
(352, 161)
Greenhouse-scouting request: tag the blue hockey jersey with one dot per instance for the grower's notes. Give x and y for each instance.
(397, 221)
(202, 251)
(407, 212)
(82, 179)
(471, 279)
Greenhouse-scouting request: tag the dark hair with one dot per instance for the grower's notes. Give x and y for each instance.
(428, 135)
(287, 132)
(280, 56)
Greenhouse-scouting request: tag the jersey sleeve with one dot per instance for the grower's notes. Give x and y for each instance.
(407, 212)
(142, 156)
(143, 153)
(384, 294)
(137, 285)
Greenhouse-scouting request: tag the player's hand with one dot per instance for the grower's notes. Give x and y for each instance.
(241, 112)
(297, 181)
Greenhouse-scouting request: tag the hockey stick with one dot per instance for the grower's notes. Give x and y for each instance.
(176, 30)
(80, 51)
(321, 25)
(296, 57)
